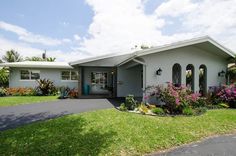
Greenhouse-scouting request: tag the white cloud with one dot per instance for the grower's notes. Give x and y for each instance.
(215, 18)
(27, 51)
(77, 37)
(29, 37)
(175, 8)
(118, 25)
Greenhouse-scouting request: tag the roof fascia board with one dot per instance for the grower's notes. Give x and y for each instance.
(140, 62)
(125, 61)
(226, 50)
(172, 46)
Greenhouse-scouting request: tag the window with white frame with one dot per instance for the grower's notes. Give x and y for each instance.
(29, 74)
(69, 75)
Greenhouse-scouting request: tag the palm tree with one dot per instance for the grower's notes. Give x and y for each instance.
(51, 59)
(34, 58)
(12, 56)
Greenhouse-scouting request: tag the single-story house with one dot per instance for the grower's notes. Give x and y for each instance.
(199, 63)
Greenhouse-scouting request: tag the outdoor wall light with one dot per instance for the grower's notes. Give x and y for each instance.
(221, 74)
(159, 71)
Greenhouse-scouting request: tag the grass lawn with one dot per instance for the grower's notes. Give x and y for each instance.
(19, 100)
(110, 132)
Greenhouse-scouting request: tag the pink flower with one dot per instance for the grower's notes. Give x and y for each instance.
(145, 97)
(177, 101)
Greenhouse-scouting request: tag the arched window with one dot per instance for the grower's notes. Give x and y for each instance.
(176, 74)
(190, 76)
(203, 80)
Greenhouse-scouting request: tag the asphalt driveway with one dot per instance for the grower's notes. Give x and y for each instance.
(217, 146)
(11, 117)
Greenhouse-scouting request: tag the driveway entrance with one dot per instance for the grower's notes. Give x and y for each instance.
(11, 117)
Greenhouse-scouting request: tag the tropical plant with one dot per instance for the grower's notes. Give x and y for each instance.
(158, 111)
(2, 91)
(51, 59)
(143, 109)
(64, 92)
(12, 56)
(188, 111)
(130, 102)
(34, 58)
(123, 107)
(4, 77)
(45, 87)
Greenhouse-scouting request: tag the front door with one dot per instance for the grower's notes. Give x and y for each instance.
(99, 81)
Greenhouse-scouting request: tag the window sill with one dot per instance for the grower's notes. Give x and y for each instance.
(27, 80)
(69, 80)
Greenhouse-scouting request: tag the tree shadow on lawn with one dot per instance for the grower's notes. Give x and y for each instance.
(62, 136)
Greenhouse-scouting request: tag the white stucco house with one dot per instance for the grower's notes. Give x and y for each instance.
(199, 63)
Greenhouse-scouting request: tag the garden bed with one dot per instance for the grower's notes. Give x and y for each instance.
(179, 100)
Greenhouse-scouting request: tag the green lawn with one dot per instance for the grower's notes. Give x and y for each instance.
(19, 100)
(110, 132)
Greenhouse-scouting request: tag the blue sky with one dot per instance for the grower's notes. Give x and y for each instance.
(77, 29)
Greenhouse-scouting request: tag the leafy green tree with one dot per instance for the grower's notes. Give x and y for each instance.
(12, 56)
(232, 70)
(4, 77)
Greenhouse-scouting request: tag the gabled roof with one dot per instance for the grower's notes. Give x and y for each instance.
(38, 64)
(109, 60)
(204, 42)
(189, 42)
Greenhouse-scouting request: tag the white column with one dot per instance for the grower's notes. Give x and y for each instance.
(183, 75)
(144, 81)
(196, 78)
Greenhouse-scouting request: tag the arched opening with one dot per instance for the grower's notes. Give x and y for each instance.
(203, 80)
(190, 76)
(176, 74)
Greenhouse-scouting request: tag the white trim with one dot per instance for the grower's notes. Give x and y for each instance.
(140, 62)
(32, 80)
(96, 58)
(37, 64)
(183, 44)
(125, 61)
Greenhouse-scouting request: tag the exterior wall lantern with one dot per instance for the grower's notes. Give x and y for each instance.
(221, 74)
(159, 71)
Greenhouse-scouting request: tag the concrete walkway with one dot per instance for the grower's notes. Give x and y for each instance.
(11, 117)
(216, 146)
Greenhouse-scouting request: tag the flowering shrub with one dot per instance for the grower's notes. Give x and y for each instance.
(20, 91)
(175, 98)
(228, 94)
(73, 93)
